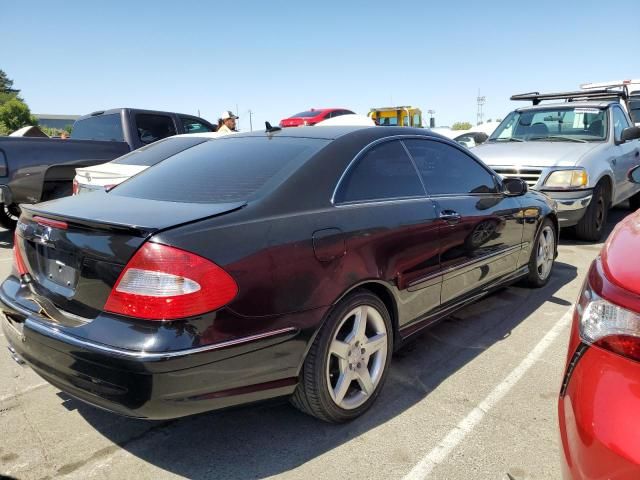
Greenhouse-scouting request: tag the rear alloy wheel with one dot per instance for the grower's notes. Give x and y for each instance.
(348, 361)
(592, 224)
(9, 216)
(543, 255)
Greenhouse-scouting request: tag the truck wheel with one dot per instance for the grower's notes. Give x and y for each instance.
(347, 364)
(9, 216)
(592, 224)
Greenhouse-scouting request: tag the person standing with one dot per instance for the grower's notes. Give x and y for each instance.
(227, 123)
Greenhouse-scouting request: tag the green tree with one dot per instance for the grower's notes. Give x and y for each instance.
(15, 114)
(461, 126)
(6, 85)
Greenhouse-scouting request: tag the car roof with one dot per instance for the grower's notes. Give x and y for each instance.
(99, 113)
(334, 132)
(585, 104)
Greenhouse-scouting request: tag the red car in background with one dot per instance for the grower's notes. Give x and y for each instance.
(599, 405)
(313, 116)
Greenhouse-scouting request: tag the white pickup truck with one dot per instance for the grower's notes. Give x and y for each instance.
(578, 151)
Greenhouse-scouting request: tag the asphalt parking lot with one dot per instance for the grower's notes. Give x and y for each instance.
(474, 397)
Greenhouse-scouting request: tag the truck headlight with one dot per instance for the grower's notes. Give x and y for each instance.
(567, 179)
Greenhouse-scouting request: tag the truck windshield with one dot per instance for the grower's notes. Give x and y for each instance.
(101, 127)
(554, 124)
(634, 110)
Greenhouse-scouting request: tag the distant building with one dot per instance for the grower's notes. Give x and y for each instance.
(55, 121)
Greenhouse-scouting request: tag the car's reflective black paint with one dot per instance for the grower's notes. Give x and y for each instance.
(293, 253)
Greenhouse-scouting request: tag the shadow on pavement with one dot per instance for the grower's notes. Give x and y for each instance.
(268, 439)
(568, 237)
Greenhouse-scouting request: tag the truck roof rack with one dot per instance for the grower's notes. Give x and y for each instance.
(604, 93)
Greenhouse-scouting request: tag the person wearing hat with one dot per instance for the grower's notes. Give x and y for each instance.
(227, 123)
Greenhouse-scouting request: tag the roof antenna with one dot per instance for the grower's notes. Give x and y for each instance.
(271, 129)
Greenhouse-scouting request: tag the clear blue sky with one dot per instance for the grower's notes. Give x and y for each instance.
(278, 58)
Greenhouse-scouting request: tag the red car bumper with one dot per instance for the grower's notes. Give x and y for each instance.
(600, 418)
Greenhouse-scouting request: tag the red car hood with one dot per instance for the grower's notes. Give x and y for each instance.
(621, 254)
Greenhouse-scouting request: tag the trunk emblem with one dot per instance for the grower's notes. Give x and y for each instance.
(45, 235)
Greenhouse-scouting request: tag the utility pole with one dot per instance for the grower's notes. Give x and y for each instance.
(481, 101)
(250, 112)
(432, 121)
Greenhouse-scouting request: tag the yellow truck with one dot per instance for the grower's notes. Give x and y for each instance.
(397, 116)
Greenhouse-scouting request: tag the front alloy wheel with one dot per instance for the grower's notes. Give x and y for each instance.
(347, 364)
(543, 255)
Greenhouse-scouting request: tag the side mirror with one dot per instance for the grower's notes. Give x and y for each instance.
(630, 133)
(514, 187)
(634, 174)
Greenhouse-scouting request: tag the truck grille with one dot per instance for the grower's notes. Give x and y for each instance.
(529, 175)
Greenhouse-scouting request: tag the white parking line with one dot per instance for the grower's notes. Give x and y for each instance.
(23, 391)
(467, 424)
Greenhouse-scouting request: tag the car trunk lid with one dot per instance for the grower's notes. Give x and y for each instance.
(75, 249)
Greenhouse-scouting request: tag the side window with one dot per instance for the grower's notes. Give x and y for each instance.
(619, 123)
(384, 172)
(447, 170)
(154, 127)
(193, 125)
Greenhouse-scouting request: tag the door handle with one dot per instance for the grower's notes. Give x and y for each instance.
(450, 216)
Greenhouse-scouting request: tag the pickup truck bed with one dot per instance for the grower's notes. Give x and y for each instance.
(38, 169)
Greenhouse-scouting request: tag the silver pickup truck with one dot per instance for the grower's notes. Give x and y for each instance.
(578, 151)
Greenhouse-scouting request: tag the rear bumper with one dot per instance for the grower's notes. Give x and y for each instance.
(599, 423)
(571, 205)
(155, 385)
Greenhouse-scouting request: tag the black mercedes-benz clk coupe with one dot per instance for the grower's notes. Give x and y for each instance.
(276, 263)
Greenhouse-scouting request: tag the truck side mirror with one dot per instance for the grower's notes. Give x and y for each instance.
(634, 174)
(630, 133)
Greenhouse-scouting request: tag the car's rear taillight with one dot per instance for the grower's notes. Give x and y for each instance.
(166, 283)
(603, 321)
(76, 187)
(18, 260)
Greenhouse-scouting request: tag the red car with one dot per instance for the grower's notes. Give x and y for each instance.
(599, 401)
(313, 116)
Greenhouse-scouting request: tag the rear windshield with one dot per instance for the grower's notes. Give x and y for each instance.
(222, 170)
(156, 152)
(101, 127)
(308, 113)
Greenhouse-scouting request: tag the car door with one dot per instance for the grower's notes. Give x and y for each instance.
(480, 228)
(625, 155)
(390, 227)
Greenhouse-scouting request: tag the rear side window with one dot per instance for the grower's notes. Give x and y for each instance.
(448, 170)
(154, 127)
(101, 127)
(222, 170)
(156, 152)
(193, 125)
(384, 172)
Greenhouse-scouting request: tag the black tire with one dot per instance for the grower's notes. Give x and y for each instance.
(9, 216)
(539, 277)
(634, 202)
(312, 394)
(591, 226)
